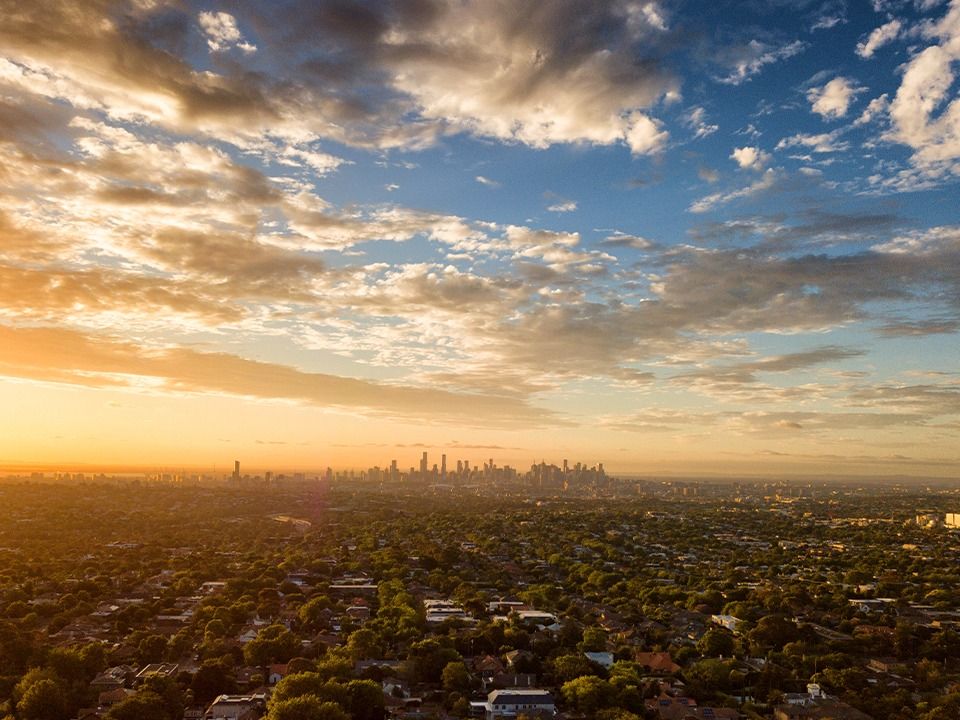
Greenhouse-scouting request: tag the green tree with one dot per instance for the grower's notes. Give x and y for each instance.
(142, 706)
(456, 677)
(152, 649)
(212, 679)
(716, 642)
(273, 644)
(594, 639)
(588, 694)
(307, 707)
(366, 700)
(363, 643)
(312, 611)
(569, 667)
(43, 700)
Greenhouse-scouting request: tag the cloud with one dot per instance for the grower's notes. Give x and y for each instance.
(918, 328)
(819, 143)
(696, 120)
(222, 32)
(750, 158)
(709, 202)
(879, 37)
(539, 75)
(707, 174)
(623, 240)
(63, 356)
(809, 228)
(564, 206)
(765, 422)
(736, 377)
(645, 136)
(487, 181)
(924, 88)
(384, 76)
(875, 108)
(833, 99)
(747, 60)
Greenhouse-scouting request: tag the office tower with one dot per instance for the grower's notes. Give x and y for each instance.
(236, 470)
(423, 466)
(443, 467)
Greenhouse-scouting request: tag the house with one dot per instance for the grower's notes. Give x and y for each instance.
(603, 659)
(656, 662)
(163, 670)
(535, 617)
(729, 622)
(112, 697)
(511, 703)
(247, 636)
(237, 707)
(359, 613)
(248, 675)
(815, 705)
(276, 674)
(668, 707)
(517, 656)
(113, 678)
(512, 680)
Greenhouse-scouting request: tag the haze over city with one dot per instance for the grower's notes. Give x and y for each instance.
(674, 238)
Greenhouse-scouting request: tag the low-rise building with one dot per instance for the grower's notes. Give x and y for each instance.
(516, 701)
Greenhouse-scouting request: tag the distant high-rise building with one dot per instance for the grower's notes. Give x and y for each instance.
(236, 470)
(423, 465)
(443, 467)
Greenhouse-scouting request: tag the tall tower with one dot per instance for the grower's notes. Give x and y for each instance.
(443, 467)
(236, 471)
(423, 466)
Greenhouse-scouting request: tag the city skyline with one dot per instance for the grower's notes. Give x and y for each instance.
(675, 239)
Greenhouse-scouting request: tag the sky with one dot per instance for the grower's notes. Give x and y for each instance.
(672, 237)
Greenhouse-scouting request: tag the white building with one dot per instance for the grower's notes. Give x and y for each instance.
(237, 707)
(512, 702)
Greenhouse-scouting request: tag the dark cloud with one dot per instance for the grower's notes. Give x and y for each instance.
(916, 328)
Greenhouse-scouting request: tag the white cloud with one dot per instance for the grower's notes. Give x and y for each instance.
(884, 34)
(222, 32)
(709, 202)
(926, 83)
(754, 56)
(645, 136)
(750, 158)
(819, 143)
(833, 99)
(696, 120)
(487, 181)
(564, 206)
(874, 108)
(827, 21)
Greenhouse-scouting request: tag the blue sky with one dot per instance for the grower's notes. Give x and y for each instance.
(674, 237)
